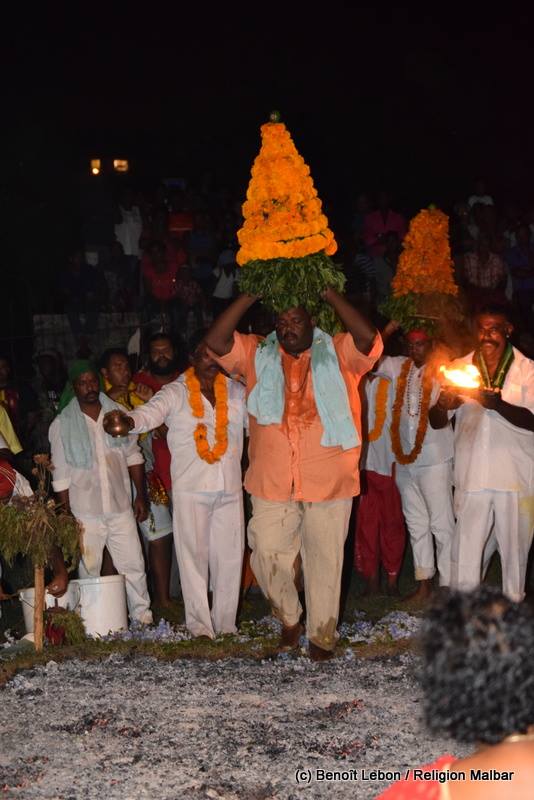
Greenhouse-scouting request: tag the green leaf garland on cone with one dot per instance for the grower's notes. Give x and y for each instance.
(285, 242)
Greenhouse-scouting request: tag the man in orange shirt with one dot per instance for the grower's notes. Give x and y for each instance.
(299, 382)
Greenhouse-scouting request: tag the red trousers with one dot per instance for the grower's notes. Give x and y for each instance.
(380, 530)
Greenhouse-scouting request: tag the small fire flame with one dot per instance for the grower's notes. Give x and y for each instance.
(467, 377)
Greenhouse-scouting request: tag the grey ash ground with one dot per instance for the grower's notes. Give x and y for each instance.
(134, 728)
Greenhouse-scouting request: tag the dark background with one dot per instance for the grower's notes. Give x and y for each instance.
(419, 101)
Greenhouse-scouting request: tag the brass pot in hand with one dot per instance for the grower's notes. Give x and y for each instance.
(116, 424)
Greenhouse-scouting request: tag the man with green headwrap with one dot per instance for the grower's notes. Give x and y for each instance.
(92, 473)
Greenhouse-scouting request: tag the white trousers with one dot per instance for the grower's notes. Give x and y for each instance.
(426, 494)
(117, 532)
(209, 537)
(277, 533)
(486, 521)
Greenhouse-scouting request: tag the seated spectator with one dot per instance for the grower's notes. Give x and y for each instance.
(477, 222)
(461, 237)
(362, 207)
(189, 297)
(478, 651)
(520, 261)
(202, 252)
(119, 290)
(83, 290)
(180, 218)
(510, 222)
(485, 275)
(159, 232)
(48, 385)
(128, 228)
(480, 195)
(385, 266)
(380, 222)
(360, 272)
(226, 281)
(159, 274)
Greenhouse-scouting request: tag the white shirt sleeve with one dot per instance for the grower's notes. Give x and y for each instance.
(22, 487)
(157, 410)
(133, 452)
(62, 473)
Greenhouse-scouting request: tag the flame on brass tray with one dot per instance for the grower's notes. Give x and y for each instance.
(467, 377)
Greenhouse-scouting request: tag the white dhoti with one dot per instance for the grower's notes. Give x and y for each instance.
(508, 517)
(117, 532)
(209, 537)
(426, 494)
(277, 533)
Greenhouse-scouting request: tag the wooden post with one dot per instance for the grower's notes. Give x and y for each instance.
(38, 609)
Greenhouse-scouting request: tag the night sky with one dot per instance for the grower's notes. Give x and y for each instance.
(420, 102)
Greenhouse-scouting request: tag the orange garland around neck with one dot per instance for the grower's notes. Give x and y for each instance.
(381, 400)
(400, 456)
(210, 455)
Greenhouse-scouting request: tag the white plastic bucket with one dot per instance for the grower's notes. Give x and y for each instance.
(70, 600)
(103, 604)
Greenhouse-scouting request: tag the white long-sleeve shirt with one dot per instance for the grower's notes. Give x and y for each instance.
(104, 489)
(190, 473)
(490, 452)
(438, 445)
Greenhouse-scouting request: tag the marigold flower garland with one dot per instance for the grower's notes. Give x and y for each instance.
(381, 400)
(400, 456)
(210, 455)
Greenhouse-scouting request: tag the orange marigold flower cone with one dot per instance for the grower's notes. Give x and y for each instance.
(282, 213)
(424, 293)
(425, 265)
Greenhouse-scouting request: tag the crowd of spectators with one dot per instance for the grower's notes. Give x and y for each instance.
(171, 256)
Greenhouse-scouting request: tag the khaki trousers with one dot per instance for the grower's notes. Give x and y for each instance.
(277, 533)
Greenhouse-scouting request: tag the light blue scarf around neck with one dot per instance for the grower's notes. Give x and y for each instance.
(75, 433)
(267, 399)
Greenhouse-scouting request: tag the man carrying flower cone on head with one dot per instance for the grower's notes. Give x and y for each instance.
(302, 393)
(204, 411)
(424, 293)
(423, 457)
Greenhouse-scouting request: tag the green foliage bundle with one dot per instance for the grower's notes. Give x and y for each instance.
(70, 622)
(284, 283)
(429, 312)
(32, 526)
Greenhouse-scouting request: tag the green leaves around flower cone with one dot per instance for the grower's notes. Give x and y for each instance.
(429, 312)
(285, 283)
